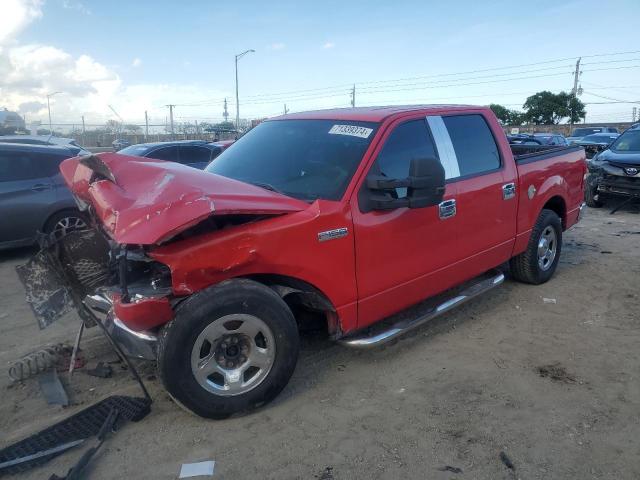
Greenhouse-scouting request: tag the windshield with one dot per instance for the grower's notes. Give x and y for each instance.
(599, 138)
(629, 141)
(304, 159)
(134, 150)
(581, 132)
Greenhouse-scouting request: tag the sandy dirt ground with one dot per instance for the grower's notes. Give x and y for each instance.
(553, 385)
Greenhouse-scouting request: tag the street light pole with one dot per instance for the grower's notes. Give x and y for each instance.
(238, 57)
(49, 95)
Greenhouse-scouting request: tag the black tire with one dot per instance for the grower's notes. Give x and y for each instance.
(592, 198)
(178, 337)
(75, 218)
(525, 267)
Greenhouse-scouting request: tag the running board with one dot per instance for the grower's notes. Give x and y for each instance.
(374, 337)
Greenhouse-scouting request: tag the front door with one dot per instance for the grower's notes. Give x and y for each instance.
(402, 255)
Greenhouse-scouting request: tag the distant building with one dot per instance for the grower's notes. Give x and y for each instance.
(11, 120)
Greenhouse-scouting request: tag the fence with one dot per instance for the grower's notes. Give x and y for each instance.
(565, 129)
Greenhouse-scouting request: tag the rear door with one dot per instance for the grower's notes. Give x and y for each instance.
(169, 154)
(194, 156)
(26, 192)
(486, 200)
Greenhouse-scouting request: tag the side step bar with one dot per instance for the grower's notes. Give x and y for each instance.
(374, 337)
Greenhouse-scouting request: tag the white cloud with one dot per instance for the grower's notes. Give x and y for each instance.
(136, 62)
(76, 5)
(276, 46)
(329, 45)
(17, 14)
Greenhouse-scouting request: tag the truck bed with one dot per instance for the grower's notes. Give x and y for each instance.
(532, 153)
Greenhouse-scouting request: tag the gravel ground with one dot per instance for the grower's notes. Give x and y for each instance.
(550, 386)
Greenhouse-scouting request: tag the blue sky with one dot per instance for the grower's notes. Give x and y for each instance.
(154, 53)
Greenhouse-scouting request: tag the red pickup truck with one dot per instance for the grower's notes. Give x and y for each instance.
(342, 218)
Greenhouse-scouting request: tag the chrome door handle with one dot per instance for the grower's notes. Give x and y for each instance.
(447, 209)
(508, 191)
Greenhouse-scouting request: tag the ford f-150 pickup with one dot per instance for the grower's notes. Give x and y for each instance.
(342, 218)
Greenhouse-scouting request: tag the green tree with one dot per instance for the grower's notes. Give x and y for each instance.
(505, 115)
(547, 108)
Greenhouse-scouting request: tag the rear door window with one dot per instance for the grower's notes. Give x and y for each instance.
(474, 145)
(194, 154)
(169, 154)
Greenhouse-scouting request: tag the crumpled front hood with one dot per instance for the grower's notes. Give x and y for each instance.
(631, 158)
(145, 201)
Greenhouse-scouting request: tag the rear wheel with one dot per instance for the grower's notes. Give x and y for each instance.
(539, 261)
(231, 348)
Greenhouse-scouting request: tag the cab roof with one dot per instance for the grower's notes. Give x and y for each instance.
(372, 114)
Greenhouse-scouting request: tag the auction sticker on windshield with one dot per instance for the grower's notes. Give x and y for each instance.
(352, 130)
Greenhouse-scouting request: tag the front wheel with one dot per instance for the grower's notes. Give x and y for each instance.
(231, 348)
(539, 261)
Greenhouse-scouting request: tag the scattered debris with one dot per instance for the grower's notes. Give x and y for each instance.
(102, 370)
(80, 426)
(44, 453)
(197, 469)
(327, 474)
(52, 388)
(36, 362)
(624, 232)
(556, 372)
(507, 461)
(606, 251)
(75, 472)
(449, 468)
(549, 301)
(500, 363)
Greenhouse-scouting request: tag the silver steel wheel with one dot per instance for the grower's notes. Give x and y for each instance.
(67, 225)
(233, 354)
(547, 248)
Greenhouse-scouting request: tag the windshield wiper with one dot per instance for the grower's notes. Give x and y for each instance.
(267, 186)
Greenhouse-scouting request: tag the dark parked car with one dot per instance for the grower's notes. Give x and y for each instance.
(616, 170)
(523, 139)
(120, 143)
(195, 153)
(33, 196)
(45, 140)
(551, 139)
(580, 133)
(597, 142)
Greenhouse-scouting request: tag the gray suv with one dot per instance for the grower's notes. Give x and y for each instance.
(33, 195)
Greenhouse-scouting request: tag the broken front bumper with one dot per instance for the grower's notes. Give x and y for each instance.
(137, 344)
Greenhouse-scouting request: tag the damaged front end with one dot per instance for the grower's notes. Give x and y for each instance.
(104, 282)
(616, 178)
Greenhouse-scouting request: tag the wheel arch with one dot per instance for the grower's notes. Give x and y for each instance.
(311, 307)
(558, 205)
(57, 211)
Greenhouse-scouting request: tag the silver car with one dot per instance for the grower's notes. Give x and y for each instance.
(33, 195)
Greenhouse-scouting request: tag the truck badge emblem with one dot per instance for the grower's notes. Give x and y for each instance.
(332, 234)
(531, 191)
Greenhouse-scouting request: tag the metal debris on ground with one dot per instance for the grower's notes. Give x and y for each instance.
(36, 362)
(556, 372)
(84, 424)
(549, 301)
(197, 469)
(327, 474)
(102, 370)
(52, 388)
(449, 468)
(507, 461)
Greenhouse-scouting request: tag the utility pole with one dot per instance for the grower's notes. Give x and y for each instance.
(146, 126)
(170, 118)
(634, 113)
(238, 57)
(225, 114)
(286, 110)
(574, 90)
(83, 132)
(49, 95)
(353, 96)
